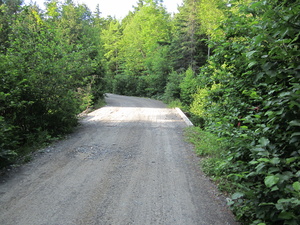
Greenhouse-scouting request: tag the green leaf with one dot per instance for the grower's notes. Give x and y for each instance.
(267, 66)
(264, 141)
(260, 167)
(269, 113)
(286, 215)
(272, 170)
(253, 63)
(258, 39)
(237, 195)
(275, 161)
(295, 123)
(271, 180)
(285, 176)
(296, 186)
(290, 160)
(295, 134)
(266, 203)
(249, 54)
(253, 162)
(258, 149)
(284, 94)
(263, 160)
(256, 5)
(293, 140)
(275, 188)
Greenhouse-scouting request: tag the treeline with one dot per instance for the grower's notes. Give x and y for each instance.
(50, 70)
(232, 65)
(149, 45)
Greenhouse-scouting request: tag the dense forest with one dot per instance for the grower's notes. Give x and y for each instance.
(232, 65)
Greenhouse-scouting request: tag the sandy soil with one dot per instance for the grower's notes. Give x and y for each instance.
(127, 163)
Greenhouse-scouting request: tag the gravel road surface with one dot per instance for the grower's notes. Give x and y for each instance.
(127, 163)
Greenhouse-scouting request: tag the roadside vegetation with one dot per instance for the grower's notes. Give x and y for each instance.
(232, 66)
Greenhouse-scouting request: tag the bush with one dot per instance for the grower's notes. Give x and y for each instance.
(172, 90)
(45, 80)
(125, 85)
(214, 155)
(188, 86)
(256, 106)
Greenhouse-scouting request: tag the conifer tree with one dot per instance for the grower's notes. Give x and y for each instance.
(188, 49)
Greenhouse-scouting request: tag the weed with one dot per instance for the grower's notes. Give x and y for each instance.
(213, 151)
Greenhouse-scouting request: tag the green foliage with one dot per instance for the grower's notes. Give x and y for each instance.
(57, 64)
(214, 153)
(211, 17)
(111, 37)
(125, 85)
(188, 86)
(206, 143)
(187, 48)
(47, 75)
(203, 103)
(250, 95)
(141, 50)
(175, 103)
(172, 91)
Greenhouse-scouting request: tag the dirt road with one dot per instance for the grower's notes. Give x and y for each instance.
(126, 164)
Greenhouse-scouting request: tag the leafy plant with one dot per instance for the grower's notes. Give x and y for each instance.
(256, 69)
(47, 73)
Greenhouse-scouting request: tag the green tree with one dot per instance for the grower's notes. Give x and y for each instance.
(188, 86)
(172, 90)
(211, 15)
(8, 8)
(80, 33)
(188, 49)
(111, 37)
(143, 48)
(51, 69)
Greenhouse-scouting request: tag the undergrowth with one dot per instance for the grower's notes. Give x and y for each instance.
(38, 140)
(213, 152)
